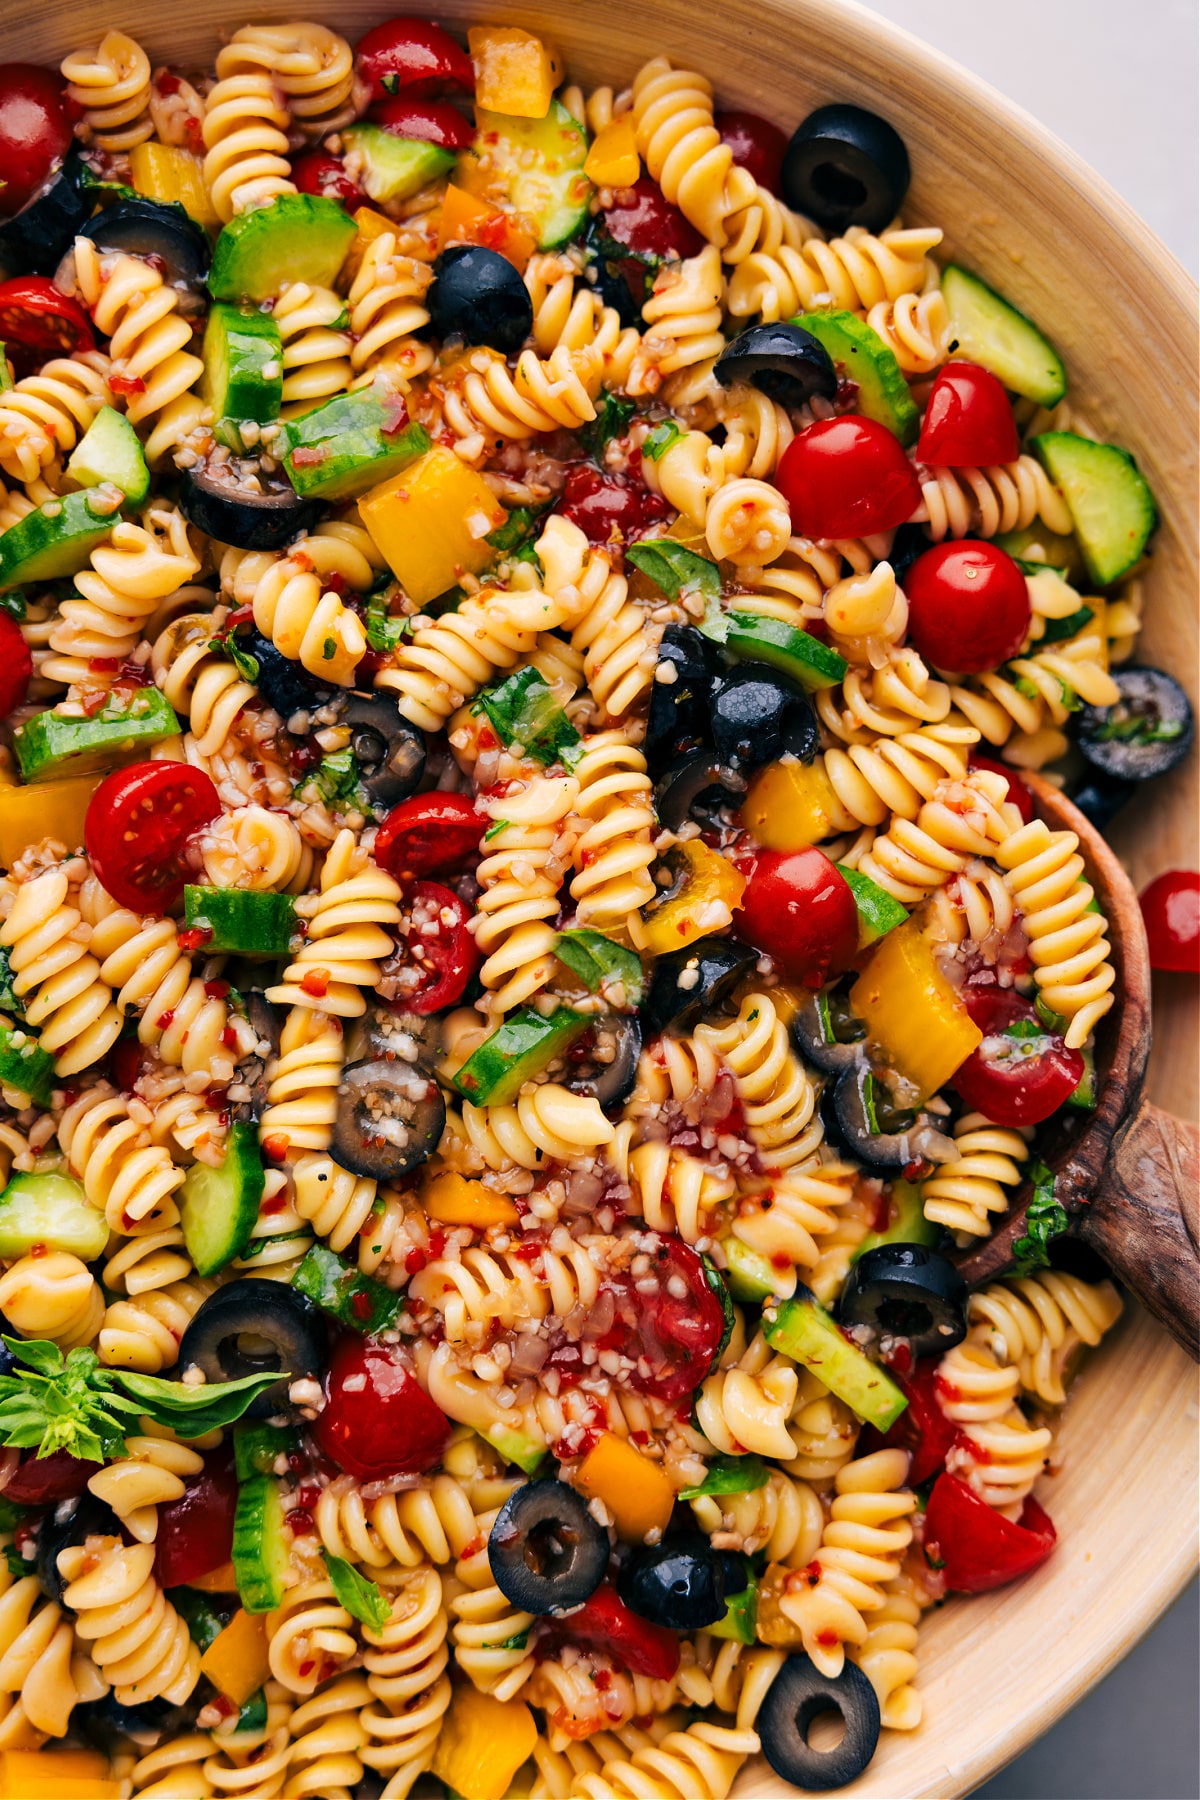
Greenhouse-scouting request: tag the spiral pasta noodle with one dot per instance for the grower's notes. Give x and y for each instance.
(308, 1636)
(155, 981)
(1067, 942)
(542, 394)
(198, 681)
(549, 1123)
(345, 939)
(308, 625)
(915, 328)
(36, 1644)
(435, 1524)
(999, 1454)
(519, 880)
(124, 1175)
(253, 1764)
(143, 1331)
(566, 314)
(406, 1674)
(334, 1202)
(303, 1081)
(112, 85)
(245, 140)
(1037, 1322)
(174, 1768)
(747, 523)
(895, 776)
(609, 630)
(887, 1656)
(387, 309)
(778, 1096)
(52, 1296)
(130, 575)
(746, 1406)
(698, 1763)
(313, 67)
(784, 1519)
(153, 1472)
(968, 1194)
(316, 350)
(985, 502)
(852, 273)
(674, 1191)
(683, 315)
(614, 851)
(136, 1638)
(327, 1733)
(56, 976)
(962, 819)
(42, 417)
(485, 1285)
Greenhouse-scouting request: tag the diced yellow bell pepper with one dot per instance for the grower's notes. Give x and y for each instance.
(612, 160)
(54, 809)
(217, 1581)
(165, 173)
(515, 72)
(634, 1489)
(915, 1019)
(56, 1775)
(468, 219)
(789, 806)
(482, 1744)
(236, 1661)
(705, 899)
(451, 1199)
(431, 523)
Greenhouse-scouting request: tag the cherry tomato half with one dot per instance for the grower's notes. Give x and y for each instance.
(975, 1547)
(968, 421)
(643, 220)
(845, 478)
(430, 121)
(436, 957)
(672, 1337)
(415, 55)
(605, 1623)
(35, 130)
(37, 322)
(377, 1420)
(798, 907)
(600, 501)
(140, 822)
(757, 145)
(429, 834)
(195, 1532)
(1021, 1072)
(1018, 793)
(316, 172)
(968, 606)
(922, 1428)
(44, 1480)
(1171, 910)
(16, 665)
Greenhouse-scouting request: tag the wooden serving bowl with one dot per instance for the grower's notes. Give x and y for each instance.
(997, 1670)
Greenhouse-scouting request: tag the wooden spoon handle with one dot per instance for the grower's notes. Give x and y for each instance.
(1144, 1218)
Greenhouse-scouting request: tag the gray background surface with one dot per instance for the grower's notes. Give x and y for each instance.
(1119, 85)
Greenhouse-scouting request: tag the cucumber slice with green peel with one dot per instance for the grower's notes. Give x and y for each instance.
(741, 1612)
(1085, 1097)
(243, 371)
(986, 329)
(110, 450)
(51, 745)
(860, 355)
(878, 912)
(813, 664)
(247, 921)
(494, 1074)
(260, 1550)
(515, 1447)
(750, 1275)
(342, 448)
(50, 1210)
(218, 1208)
(25, 1068)
(257, 1448)
(539, 165)
(1109, 500)
(1036, 546)
(391, 167)
(295, 237)
(802, 1329)
(354, 1300)
(57, 539)
(907, 1223)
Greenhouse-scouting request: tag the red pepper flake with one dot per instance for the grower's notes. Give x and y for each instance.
(166, 1019)
(166, 83)
(38, 1250)
(437, 1243)
(310, 456)
(216, 990)
(316, 983)
(395, 415)
(194, 937)
(229, 1038)
(828, 1640)
(92, 703)
(223, 1707)
(104, 665)
(242, 615)
(278, 1204)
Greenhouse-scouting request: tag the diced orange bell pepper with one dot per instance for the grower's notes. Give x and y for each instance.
(431, 523)
(54, 809)
(466, 219)
(613, 160)
(371, 224)
(634, 1489)
(706, 897)
(789, 806)
(451, 1199)
(482, 1744)
(915, 1020)
(217, 1581)
(236, 1660)
(56, 1775)
(515, 72)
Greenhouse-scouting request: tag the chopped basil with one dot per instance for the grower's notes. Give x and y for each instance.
(1058, 630)
(245, 664)
(1045, 1220)
(675, 569)
(730, 1475)
(611, 421)
(522, 710)
(362, 1599)
(659, 438)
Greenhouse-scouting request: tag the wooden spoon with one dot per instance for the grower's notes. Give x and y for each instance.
(1130, 1180)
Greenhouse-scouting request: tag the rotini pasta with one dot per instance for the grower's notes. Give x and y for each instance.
(112, 85)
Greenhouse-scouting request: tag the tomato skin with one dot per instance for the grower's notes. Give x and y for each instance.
(602, 502)
(643, 220)
(38, 323)
(1171, 911)
(757, 145)
(316, 172)
(1018, 793)
(968, 607)
(798, 907)
(604, 1622)
(429, 834)
(447, 960)
(430, 121)
(1003, 1078)
(674, 1340)
(414, 55)
(968, 421)
(16, 665)
(43, 1481)
(388, 1425)
(977, 1548)
(35, 130)
(846, 478)
(162, 805)
(195, 1532)
(922, 1428)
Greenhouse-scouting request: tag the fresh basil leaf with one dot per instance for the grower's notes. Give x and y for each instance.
(1024, 1028)
(611, 421)
(659, 438)
(383, 632)
(10, 1000)
(1053, 1021)
(16, 1562)
(245, 664)
(253, 1716)
(361, 1598)
(193, 1411)
(675, 569)
(13, 603)
(45, 1357)
(719, 1287)
(204, 1624)
(1045, 1220)
(522, 710)
(1058, 630)
(730, 1475)
(597, 959)
(336, 781)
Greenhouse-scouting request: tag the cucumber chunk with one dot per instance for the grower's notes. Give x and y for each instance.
(25, 1068)
(50, 1210)
(394, 168)
(907, 1223)
(539, 164)
(51, 745)
(296, 237)
(345, 446)
(243, 920)
(795, 653)
(802, 1329)
(1109, 499)
(260, 1551)
(218, 1207)
(515, 1447)
(986, 329)
(751, 1277)
(243, 371)
(57, 539)
(878, 912)
(516, 1051)
(110, 450)
(860, 355)
(256, 1448)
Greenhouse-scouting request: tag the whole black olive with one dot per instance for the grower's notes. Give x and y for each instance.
(283, 684)
(689, 664)
(113, 1727)
(758, 716)
(146, 228)
(907, 1291)
(679, 1583)
(846, 166)
(70, 1522)
(252, 1327)
(785, 362)
(826, 1033)
(697, 787)
(390, 752)
(235, 515)
(692, 981)
(34, 240)
(1101, 797)
(608, 1068)
(390, 1116)
(870, 1124)
(795, 1699)
(545, 1549)
(478, 296)
(1145, 733)
(909, 543)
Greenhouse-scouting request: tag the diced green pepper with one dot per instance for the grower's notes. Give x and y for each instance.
(878, 912)
(741, 1612)
(25, 1068)
(53, 744)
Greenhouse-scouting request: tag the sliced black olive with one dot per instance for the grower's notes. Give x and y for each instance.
(389, 751)
(679, 705)
(144, 228)
(795, 1699)
(846, 166)
(1102, 796)
(478, 296)
(396, 1036)
(737, 1577)
(689, 982)
(696, 787)
(609, 281)
(252, 1070)
(390, 1116)
(34, 241)
(680, 1583)
(546, 1550)
(216, 505)
(263, 1017)
(758, 716)
(907, 1291)
(826, 1032)
(113, 1727)
(283, 684)
(785, 362)
(869, 1124)
(70, 1522)
(607, 1068)
(1146, 732)
(250, 1328)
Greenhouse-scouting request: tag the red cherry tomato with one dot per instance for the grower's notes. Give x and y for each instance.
(436, 957)
(922, 1428)
(377, 1420)
(968, 421)
(1018, 793)
(125, 1064)
(44, 1480)
(195, 1532)
(643, 220)
(1022, 1072)
(16, 665)
(602, 502)
(416, 55)
(799, 908)
(429, 834)
(605, 1623)
(846, 478)
(1171, 910)
(316, 172)
(37, 322)
(975, 1547)
(672, 1337)
(35, 130)
(431, 121)
(757, 145)
(968, 607)
(140, 822)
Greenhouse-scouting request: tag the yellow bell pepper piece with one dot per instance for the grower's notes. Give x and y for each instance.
(613, 160)
(634, 1489)
(236, 1661)
(515, 72)
(56, 1775)
(789, 806)
(705, 901)
(451, 1199)
(54, 809)
(165, 173)
(431, 522)
(482, 1744)
(915, 1019)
